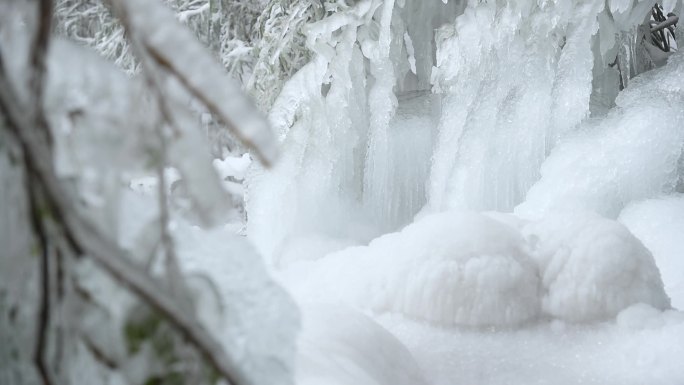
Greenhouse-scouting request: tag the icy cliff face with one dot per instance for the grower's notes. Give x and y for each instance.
(420, 104)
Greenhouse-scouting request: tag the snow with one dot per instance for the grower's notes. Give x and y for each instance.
(448, 269)
(641, 348)
(592, 268)
(257, 320)
(355, 351)
(627, 156)
(659, 224)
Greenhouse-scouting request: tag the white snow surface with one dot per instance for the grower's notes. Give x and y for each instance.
(659, 224)
(356, 350)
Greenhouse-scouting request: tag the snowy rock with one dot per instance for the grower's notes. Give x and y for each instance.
(454, 268)
(592, 267)
(340, 346)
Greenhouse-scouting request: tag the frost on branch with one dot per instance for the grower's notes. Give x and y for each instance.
(113, 303)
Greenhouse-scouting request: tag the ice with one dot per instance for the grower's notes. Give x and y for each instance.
(345, 145)
(592, 268)
(629, 155)
(659, 224)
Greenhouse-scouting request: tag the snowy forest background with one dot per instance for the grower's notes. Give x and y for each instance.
(378, 192)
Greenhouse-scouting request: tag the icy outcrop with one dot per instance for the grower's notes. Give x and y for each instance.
(632, 154)
(659, 224)
(340, 346)
(592, 267)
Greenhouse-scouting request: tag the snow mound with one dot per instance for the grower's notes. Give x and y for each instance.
(659, 224)
(453, 268)
(340, 346)
(592, 267)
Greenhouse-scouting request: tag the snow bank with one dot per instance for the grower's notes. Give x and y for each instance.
(592, 268)
(455, 268)
(340, 346)
(659, 224)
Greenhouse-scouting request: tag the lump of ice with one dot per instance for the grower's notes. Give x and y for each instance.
(340, 346)
(592, 267)
(453, 268)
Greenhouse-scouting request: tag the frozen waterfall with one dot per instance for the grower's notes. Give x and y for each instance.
(396, 114)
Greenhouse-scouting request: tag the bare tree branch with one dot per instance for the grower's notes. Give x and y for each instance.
(670, 21)
(38, 61)
(156, 32)
(43, 315)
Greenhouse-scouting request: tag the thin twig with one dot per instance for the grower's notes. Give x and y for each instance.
(670, 21)
(43, 315)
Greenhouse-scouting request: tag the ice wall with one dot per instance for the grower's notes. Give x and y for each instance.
(632, 154)
(515, 78)
(491, 89)
(351, 167)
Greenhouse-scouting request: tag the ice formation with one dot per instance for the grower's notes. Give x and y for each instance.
(414, 104)
(592, 268)
(629, 155)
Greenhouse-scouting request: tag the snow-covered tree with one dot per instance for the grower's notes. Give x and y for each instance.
(91, 285)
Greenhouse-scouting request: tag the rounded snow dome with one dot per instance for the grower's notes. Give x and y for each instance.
(592, 267)
(457, 268)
